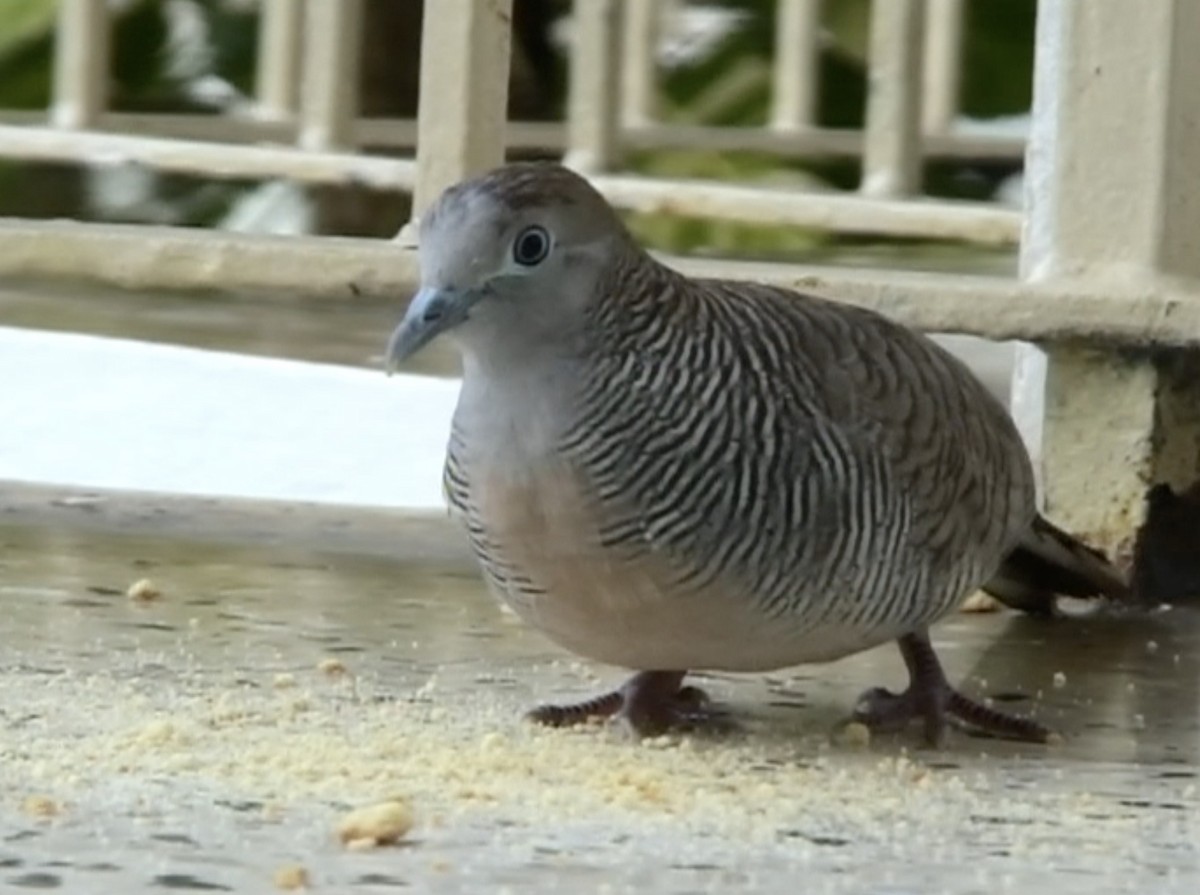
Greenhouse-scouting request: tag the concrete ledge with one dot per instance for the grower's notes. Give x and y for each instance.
(206, 158)
(125, 415)
(1130, 314)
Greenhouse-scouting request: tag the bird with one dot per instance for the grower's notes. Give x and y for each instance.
(671, 474)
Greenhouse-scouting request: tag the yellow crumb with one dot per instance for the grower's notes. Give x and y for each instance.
(272, 812)
(284, 681)
(291, 877)
(160, 732)
(40, 806)
(143, 591)
(855, 734)
(492, 740)
(381, 824)
(332, 667)
(980, 602)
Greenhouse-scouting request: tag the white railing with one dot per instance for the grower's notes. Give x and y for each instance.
(1110, 253)
(305, 107)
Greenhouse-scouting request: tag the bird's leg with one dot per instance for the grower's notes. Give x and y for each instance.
(648, 703)
(931, 698)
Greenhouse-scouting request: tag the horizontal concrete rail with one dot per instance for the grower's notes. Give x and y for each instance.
(206, 159)
(160, 258)
(815, 141)
(381, 133)
(840, 212)
(401, 133)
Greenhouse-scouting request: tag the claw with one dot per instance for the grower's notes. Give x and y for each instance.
(649, 703)
(931, 698)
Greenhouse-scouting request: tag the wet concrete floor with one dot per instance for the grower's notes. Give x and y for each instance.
(194, 743)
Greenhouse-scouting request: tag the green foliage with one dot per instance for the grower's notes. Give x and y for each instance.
(998, 57)
(25, 41)
(25, 21)
(138, 54)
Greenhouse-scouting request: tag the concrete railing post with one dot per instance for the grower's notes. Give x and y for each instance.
(332, 46)
(892, 154)
(81, 75)
(594, 95)
(943, 65)
(639, 85)
(277, 74)
(465, 53)
(796, 67)
(1113, 177)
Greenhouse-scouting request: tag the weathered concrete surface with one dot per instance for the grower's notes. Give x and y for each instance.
(194, 741)
(1106, 212)
(1117, 423)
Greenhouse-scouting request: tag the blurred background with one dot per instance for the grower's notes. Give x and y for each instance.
(713, 64)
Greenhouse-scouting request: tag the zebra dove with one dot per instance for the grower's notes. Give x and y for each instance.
(672, 474)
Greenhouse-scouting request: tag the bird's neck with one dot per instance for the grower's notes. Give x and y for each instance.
(510, 416)
(638, 299)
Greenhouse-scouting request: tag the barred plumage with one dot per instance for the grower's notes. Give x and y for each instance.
(667, 473)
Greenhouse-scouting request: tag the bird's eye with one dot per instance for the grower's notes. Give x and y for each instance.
(531, 246)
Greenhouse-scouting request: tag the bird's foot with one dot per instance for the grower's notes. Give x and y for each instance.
(882, 710)
(648, 704)
(930, 698)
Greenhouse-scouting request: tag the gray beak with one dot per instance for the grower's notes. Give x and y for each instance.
(431, 312)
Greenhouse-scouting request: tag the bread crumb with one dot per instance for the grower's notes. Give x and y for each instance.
(291, 877)
(272, 812)
(331, 666)
(980, 602)
(143, 591)
(160, 732)
(1152, 646)
(40, 806)
(381, 824)
(1060, 680)
(1054, 739)
(855, 734)
(284, 681)
(492, 740)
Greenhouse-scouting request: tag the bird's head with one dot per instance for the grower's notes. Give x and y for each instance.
(508, 261)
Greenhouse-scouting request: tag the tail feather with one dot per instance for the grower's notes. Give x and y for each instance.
(1049, 562)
